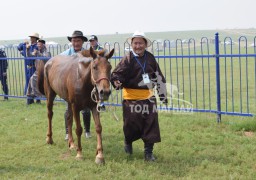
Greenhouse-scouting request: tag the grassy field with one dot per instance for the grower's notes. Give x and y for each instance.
(193, 146)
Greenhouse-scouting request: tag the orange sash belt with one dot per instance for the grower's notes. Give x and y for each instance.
(137, 94)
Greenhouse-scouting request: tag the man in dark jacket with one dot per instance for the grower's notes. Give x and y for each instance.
(138, 73)
(3, 73)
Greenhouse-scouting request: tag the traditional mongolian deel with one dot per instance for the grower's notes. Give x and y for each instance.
(137, 94)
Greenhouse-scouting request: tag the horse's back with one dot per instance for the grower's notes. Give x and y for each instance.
(62, 62)
(63, 73)
(57, 72)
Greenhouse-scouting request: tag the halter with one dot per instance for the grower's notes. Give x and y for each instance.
(94, 91)
(94, 96)
(98, 81)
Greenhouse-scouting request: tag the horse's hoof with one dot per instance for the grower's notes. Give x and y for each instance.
(49, 140)
(99, 161)
(79, 157)
(72, 146)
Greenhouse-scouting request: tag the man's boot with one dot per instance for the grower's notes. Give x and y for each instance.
(30, 100)
(6, 98)
(148, 152)
(66, 124)
(128, 147)
(87, 122)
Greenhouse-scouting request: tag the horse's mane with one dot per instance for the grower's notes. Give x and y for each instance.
(86, 52)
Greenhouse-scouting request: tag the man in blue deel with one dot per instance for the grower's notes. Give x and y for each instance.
(24, 48)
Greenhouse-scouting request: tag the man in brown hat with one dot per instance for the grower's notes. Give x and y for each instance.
(26, 49)
(32, 90)
(136, 74)
(77, 39)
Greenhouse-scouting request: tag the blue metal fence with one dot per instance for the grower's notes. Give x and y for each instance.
(206, 75)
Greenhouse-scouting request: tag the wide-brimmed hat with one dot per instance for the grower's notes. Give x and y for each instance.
(141, 35)
(77, 34)
(41, 41)
(93, 37)
(36, 35)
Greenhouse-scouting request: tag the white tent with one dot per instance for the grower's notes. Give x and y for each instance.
(51, 44)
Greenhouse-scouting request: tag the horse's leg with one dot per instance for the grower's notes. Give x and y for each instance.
(50, 98)
(99, 153)
(70, 123)
(79, 131)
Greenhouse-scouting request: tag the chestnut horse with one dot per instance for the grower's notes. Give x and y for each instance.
(73, 78)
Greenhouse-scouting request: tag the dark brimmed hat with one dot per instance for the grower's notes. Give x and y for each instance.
(93, 37)
(41, 41)
(77, 34)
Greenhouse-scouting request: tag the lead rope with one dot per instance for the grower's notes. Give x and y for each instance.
(114, 111)
(94, 95)
(99, 103)
(100, 106)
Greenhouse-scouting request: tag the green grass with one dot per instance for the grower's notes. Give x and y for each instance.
(193, 146)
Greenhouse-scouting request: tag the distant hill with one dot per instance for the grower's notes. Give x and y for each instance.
(171, 35)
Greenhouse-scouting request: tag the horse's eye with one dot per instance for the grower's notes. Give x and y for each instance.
(94, 67)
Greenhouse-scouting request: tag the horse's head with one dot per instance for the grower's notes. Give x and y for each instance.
(100, 72)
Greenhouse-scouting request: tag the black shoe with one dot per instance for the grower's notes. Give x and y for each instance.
(38, 101)
(128, 148)
(5, 98)
(30, 101)
(149, 157)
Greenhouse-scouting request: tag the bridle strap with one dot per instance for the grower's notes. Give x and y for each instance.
(98, 81)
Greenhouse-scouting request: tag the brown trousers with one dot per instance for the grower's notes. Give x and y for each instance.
(141, 121)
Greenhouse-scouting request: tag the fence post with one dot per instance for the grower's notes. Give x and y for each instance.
(217, 53)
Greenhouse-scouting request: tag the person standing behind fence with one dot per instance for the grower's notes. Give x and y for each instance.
(140, 117)
(94, 43)
(29, 63)
(3, 73)
(32, 90)
(77, 39)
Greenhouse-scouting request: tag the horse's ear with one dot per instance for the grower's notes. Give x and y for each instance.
(102, 52)
(109, 55)
(93, 54)
(85, 53)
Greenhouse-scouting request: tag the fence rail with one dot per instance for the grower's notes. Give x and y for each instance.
(202, 76)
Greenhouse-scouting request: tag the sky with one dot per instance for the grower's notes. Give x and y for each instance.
(58, 18)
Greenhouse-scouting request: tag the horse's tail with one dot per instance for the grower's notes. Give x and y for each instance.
(40, 76)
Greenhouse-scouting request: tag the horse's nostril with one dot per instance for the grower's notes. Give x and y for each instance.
(104, 93)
